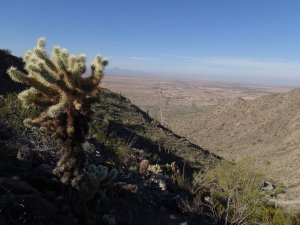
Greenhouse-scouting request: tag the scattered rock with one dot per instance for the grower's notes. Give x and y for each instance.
(25, 157)
(43, 183)
(130, 213)
(5, 132)
(163, 182)
(144, 164)
(43, 170)
(35, 204)
(267, 186)
(15, 187)
(175, 168)
(32, 209)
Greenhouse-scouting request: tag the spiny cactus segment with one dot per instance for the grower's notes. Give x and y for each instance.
(98, 178)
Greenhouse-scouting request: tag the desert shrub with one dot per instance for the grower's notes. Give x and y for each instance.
(295, 219)
(155, 169)
(12, 113)
(279, 189)
(274, 216)
(235, 196)
(14, 134)
(122, 148)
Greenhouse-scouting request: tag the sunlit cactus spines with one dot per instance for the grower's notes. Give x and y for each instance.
(64, 95)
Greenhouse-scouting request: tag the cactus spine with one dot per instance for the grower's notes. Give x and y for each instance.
(65, 97)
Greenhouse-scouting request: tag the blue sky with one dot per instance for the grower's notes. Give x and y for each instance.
(256, 41)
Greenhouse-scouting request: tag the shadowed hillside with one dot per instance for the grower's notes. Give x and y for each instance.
(127, 121)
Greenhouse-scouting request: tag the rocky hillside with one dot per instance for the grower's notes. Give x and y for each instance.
(266, 129)
(123, 137)
(162, 178)
(155, 167)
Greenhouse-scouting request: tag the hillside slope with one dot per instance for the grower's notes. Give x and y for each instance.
(118, 117)
(157, 180)
(121, 136)
(266, 129)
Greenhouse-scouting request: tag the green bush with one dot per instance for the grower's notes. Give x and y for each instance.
(274, 216)
(12, 113)
(236, 198)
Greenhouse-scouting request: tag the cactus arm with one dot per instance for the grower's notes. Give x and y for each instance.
(98, 70)
(18, 76)
(57, 109)
(44, 57)
(27, 97)
(48, 90)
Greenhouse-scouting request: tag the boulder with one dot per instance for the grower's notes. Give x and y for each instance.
(267, 186)
(144, 164)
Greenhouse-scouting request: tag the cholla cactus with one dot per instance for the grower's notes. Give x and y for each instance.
(98, 178)
(155, 169)
(65, 97)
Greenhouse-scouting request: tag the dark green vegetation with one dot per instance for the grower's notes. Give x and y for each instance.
(168, 191)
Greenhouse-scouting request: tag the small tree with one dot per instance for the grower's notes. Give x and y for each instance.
(65, 96)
